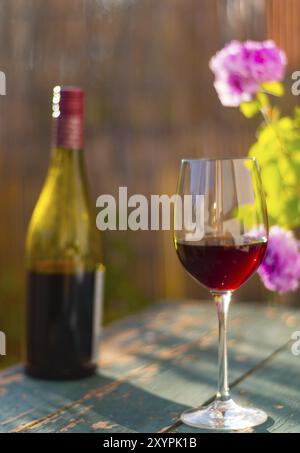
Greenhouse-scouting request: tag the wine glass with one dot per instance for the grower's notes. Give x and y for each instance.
(220, 235)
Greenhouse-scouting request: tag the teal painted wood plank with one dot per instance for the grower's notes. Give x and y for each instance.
(24, 400)
(167, 378)
(163, 333)
(160, 327)
(273, 388)
(159, 333)
(156, 326)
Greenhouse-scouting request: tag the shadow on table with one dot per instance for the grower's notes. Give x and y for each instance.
(104, 404)
(96, 404)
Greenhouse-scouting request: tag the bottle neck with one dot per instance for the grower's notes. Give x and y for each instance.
(68, 132)
(67, 165)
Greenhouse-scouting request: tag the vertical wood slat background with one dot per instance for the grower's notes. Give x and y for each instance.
(150, 102)
(283, 27)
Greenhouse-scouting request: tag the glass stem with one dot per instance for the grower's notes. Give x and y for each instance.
(222, 302)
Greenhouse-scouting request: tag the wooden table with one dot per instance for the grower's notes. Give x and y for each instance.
(156, 364)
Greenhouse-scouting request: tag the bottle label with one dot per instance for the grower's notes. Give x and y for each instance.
(98, 311)
(69, 132)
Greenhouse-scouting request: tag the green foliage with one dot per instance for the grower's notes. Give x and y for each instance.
(250, 109)
(278, 153)
(274, 88)
(261, 102)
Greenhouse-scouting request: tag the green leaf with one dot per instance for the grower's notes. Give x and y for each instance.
(250, 109)
(297, 115)
(274, 88)
(262, 99)
(291, 210)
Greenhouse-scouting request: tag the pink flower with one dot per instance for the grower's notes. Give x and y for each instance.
(280, 269)
(241, 67)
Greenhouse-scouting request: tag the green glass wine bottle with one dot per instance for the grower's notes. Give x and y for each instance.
(63, 257)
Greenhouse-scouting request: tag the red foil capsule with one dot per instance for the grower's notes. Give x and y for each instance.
(68, 109)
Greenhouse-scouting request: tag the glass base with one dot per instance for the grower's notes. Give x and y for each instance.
(224, 415)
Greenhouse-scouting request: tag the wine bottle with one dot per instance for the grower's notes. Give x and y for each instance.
(63, 256)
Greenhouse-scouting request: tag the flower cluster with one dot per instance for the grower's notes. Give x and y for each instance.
(243, 70)
(280, 270)
(241, 67)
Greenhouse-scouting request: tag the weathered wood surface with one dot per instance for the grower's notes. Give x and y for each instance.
(155, 365)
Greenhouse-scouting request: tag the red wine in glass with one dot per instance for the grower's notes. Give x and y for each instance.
(219, 263)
